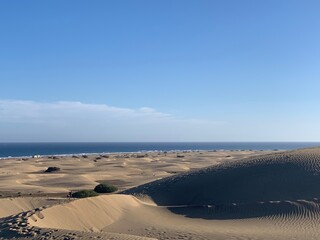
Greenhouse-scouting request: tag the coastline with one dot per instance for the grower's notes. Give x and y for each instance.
(135, 152)
(27, 150)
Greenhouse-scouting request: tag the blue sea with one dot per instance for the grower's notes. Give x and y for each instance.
(30, 149)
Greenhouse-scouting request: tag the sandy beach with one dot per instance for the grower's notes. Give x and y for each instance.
(175, 195)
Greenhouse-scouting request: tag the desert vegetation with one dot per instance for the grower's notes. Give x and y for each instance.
(84, 194)
(105, 188)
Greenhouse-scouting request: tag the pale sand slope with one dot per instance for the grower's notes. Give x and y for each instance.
(126, 214)
(11, 206)
(26, 177)
(269, 197)
(13, 212)
(124, 170)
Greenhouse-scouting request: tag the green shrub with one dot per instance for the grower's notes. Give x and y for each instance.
(105, 188)
(84, 194)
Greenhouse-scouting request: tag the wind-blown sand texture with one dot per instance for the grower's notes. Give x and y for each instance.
(27, 175)
(245, 196)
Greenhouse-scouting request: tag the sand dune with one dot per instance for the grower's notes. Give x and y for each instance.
(126, 214)
(27, 176)
(86, 214)
(268, 197)
(285, 176)
(273, 196)
(11, 206)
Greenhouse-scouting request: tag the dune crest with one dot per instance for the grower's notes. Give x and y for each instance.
(11, 206)
(287, 176)
(91, 214)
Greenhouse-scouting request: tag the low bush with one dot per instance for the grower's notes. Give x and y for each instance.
(105, 188)
(84, 194)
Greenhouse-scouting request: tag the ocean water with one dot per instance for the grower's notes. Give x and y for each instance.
(30, 149)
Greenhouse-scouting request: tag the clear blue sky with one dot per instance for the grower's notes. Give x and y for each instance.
(200, 70)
